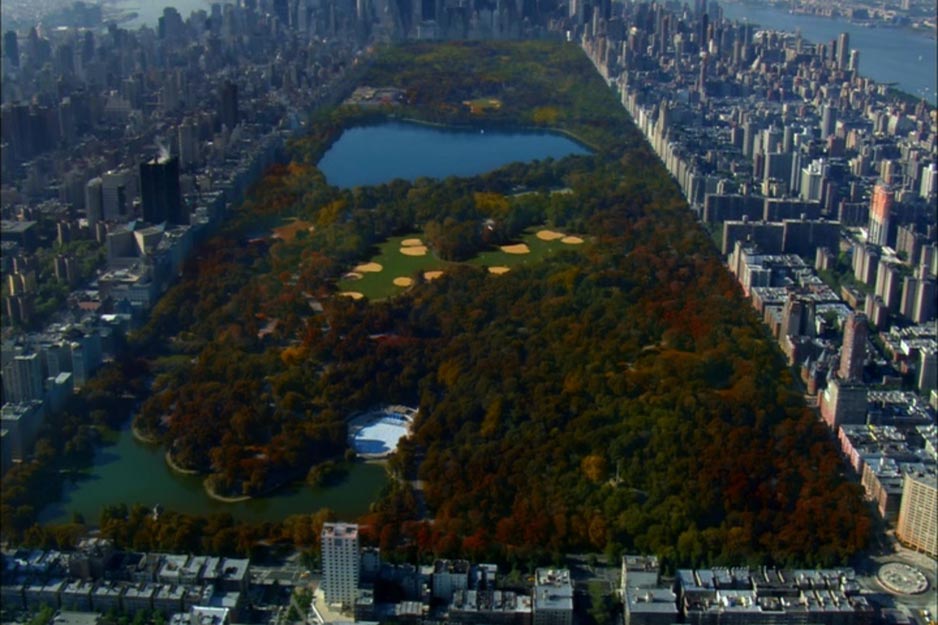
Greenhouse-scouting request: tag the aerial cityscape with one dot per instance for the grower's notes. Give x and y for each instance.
(452, 311)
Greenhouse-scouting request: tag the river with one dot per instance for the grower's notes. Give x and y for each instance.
(903, 56)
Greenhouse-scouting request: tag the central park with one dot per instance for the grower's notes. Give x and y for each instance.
(586, 373)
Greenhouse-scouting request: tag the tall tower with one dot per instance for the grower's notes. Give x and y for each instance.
(880, 209)
(843, 50)
(828, 120)
(159, 188)
(853, 350)
(11, 48)
(94, 201)
(340, 563)
(918, 520)
(22, 379)
(229, 105)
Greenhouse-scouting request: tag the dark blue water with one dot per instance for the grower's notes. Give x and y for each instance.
(370, 155)
(887, 55)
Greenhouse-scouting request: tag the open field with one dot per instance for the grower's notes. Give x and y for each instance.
(406, 259)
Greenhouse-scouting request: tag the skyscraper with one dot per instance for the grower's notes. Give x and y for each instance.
(94, 201)
(843, 50)
(22, 378)
(229, 105)
(853, 350)
(828, 120)
(340, 563)
(159, 188)
(880, 209)
(918, 513)
(11, 48)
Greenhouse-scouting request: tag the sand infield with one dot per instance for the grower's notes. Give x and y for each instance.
(431, 275)
(549, 235)
(403, 281)
(414, 250)
(499, 270)
(368, 268)
(518, 248)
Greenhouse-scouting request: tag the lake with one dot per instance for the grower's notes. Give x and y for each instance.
(375, 154)
(899, 55)
(132, 472)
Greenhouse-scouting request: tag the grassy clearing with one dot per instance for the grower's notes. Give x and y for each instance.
(381, 284)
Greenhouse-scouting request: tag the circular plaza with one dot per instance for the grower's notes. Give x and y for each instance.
(901, 578)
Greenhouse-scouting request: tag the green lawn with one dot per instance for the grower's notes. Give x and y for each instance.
(380, 285)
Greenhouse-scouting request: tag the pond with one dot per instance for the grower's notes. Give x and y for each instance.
(380, 153)
(132, 472)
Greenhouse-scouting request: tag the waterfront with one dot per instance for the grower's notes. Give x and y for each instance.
(132, 472)
(148, 13)
(376, 154)
(889, 55)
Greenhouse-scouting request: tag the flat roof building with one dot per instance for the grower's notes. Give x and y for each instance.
(917, 526)
(340, 563)
(553, 597)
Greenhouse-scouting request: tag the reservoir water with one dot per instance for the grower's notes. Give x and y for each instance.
(131, 472)
(887, 55)
(368, 155)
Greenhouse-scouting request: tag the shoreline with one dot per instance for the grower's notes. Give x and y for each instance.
(175, 467)
(140, 437)
(206, 485)
(499, 127)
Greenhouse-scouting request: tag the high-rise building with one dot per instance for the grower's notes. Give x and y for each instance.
(843, 403)
(843, 50)
(188, 144)
(94, 201)
(929, 184)
(159, 188)
(928, 370)
(229, 105)
(854, 65)
(812, 180)
(11, 48)
(828, 120)
(924, 307)
(340, 563)
(853, 350)
(880, 210)
(889, 284)
(907, 300)
(917, 526)
(118, 190)
(22, 378)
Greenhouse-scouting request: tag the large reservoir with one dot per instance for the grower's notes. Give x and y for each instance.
(369, 155)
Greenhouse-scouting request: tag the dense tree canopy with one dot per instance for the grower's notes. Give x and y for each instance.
(621, 397)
